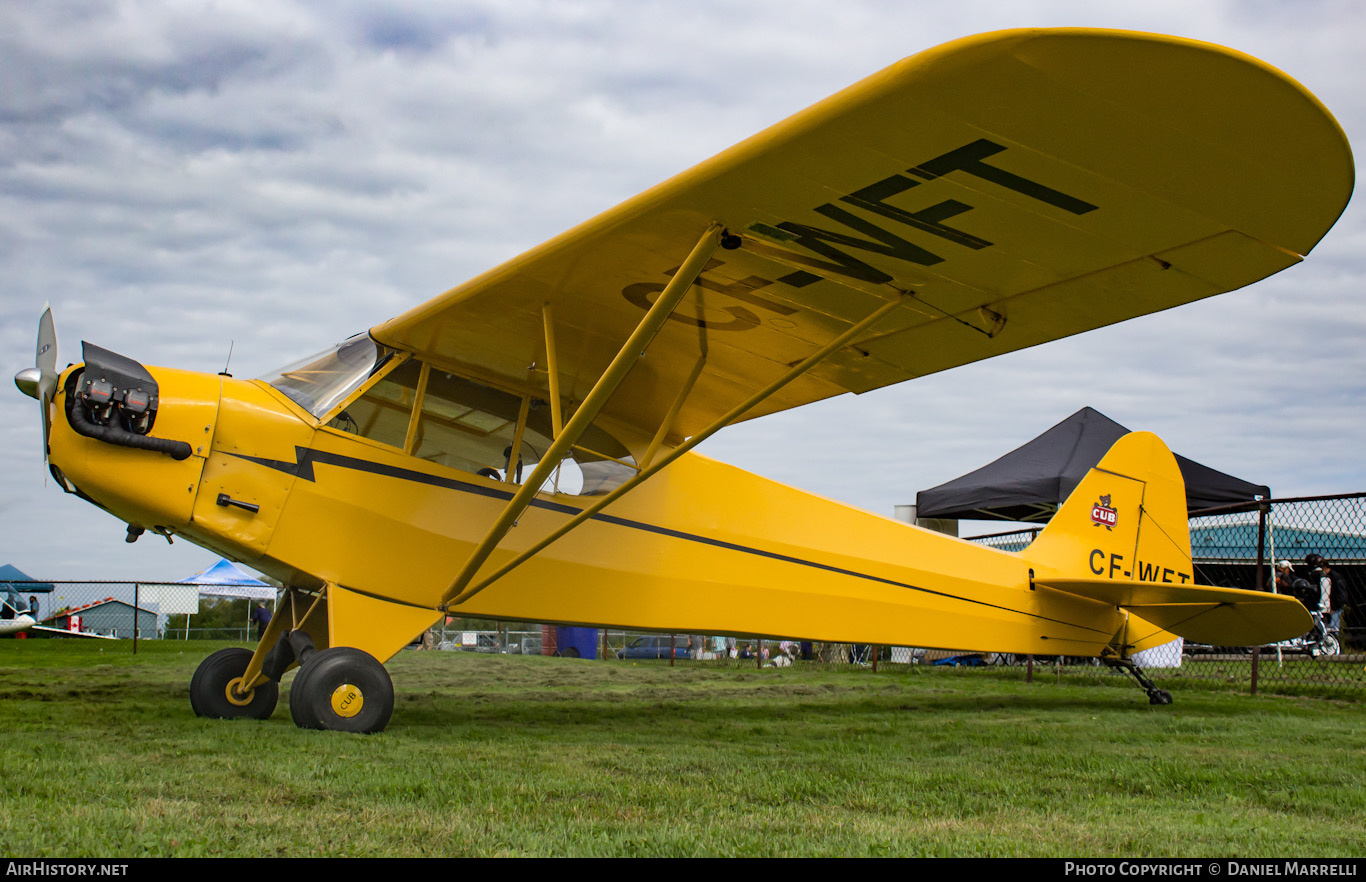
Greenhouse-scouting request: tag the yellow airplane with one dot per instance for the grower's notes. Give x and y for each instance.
(519, 447)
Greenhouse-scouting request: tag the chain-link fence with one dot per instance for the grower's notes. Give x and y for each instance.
(123, 610)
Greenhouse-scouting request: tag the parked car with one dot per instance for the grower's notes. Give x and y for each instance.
(525, 646)
(654, 646)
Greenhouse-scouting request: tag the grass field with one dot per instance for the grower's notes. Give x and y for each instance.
(503, 755)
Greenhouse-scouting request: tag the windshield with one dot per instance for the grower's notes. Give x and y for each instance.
(13, 603)
(320, 382)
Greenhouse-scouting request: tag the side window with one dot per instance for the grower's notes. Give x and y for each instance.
(604, 475)
(383, 412)
(588, 471)
(469, 426)
(465, 425)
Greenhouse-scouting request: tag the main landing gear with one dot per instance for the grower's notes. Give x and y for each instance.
(216, 690)
(341, 689)
(1155, 695)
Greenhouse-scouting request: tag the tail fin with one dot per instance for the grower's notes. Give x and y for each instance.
(1123, 537)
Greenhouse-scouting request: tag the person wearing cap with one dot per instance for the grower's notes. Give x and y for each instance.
(1300, 589)
(1284, 574)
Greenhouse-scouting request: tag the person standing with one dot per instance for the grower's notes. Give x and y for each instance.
(1332, 591)
(261, 616)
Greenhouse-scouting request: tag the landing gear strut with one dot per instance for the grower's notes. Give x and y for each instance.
(1155, 695)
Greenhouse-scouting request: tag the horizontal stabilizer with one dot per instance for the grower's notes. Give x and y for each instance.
(1201, 613)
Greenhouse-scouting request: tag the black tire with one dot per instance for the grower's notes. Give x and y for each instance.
(209, 695)
(298, 688)
(1327, 646)
(342, 689)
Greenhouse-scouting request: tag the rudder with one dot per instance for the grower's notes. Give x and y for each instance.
(1126, 520)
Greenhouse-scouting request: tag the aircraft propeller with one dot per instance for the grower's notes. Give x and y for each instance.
(40, 381)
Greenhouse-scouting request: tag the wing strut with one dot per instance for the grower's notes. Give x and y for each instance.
(630, 352)
(552, 370)
(668, 421)
(454, 599)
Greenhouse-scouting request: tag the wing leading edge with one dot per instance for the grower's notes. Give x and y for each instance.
(1008, 189)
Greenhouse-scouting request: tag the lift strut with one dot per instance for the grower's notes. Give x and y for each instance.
(461, 590)
(630, 352)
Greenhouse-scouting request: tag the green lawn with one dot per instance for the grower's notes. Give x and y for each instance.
(502, 755)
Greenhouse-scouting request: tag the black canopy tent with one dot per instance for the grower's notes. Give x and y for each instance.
(1031, 481)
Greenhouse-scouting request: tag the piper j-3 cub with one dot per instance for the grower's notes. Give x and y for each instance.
(519, 447)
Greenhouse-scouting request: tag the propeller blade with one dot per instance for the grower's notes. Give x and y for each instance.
(45, 359)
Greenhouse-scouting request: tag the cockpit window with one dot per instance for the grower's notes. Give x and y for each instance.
(384, 411)
(12, 603)
(446, 419)
(318, 383)
(466, 425)
(469, 426)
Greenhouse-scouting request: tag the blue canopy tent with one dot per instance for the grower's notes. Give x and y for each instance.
(224, 579)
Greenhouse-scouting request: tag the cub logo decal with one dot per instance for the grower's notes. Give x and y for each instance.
(1103, 515)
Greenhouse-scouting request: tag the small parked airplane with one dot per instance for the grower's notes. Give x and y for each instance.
(18, 616)
(520, 446)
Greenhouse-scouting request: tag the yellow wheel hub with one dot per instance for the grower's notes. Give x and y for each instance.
(236, 695)
(347, 700)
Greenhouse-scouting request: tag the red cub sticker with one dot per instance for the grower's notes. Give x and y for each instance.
(1103, 515)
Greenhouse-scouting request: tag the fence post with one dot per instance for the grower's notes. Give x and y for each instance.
(136, 588)
(1262, 511)
(1261, 543)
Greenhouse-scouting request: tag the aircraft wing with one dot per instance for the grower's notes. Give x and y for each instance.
(1010, 188)
(63, 632)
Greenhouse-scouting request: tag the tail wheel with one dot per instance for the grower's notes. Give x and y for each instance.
(215, 684)
(342, 689)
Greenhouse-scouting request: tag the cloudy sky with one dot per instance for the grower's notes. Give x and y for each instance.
(183, 177)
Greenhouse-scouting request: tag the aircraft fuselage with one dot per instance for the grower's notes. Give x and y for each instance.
(702, 547)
